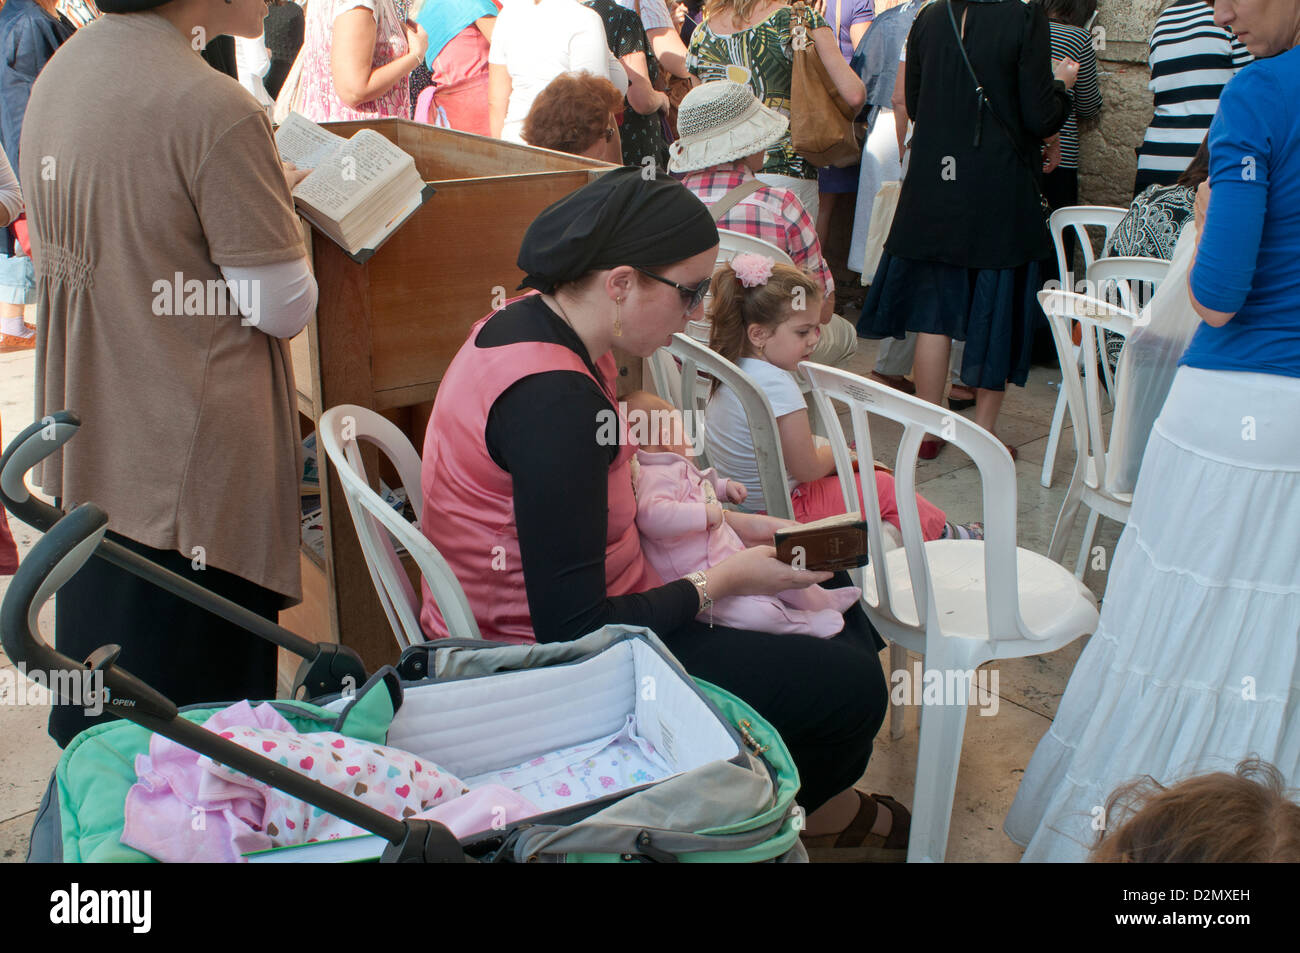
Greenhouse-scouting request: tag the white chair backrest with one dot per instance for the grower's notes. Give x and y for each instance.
(695, 357)
(1079, 217)
(997, 476)
(1083, 393)
(377, 524)
(731, 244)
(1121, 273)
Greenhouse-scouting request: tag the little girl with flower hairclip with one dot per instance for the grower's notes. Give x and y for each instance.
(766, 319)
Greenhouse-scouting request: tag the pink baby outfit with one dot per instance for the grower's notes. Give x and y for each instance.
(186, 808)
(469, 501)
(672, 497)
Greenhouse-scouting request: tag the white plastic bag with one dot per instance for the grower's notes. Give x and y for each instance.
(1149, 362)
(882, 220)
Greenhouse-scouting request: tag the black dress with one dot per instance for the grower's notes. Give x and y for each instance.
(962, 255)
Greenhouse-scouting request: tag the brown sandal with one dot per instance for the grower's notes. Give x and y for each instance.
(856, 844)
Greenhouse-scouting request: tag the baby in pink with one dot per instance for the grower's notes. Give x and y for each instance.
(678, 537)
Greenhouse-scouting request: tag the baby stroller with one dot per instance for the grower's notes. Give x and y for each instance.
(471, 706)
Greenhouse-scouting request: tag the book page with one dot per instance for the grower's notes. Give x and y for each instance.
(305, 144)
(842, 519)
(351, 174)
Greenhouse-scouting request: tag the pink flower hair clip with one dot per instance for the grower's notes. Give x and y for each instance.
(752, 270)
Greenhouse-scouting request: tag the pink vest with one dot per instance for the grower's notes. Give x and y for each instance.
(468, 500)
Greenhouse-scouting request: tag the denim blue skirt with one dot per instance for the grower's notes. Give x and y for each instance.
(991, 309)
(17, 280)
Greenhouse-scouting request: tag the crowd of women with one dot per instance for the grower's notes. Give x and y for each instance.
(975, 103)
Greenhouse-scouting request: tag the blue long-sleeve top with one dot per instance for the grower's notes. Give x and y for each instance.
(1246, 264)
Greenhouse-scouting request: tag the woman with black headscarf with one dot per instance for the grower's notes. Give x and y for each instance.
(528, 493)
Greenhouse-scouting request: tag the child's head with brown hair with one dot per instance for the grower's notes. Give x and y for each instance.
(764, 309)
(1244, 817)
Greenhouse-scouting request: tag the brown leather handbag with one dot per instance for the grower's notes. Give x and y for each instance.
(821, 122)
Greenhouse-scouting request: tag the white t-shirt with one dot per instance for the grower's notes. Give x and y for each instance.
(537, 42)
(727, 437)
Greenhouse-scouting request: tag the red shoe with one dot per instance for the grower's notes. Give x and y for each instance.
(930, 448)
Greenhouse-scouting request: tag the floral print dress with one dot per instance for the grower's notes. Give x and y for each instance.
(762, 57)
(317, 99)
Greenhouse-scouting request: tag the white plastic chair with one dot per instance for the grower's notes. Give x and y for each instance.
(1079, 218)
(1122, 272)
(959, 603)
(1092, 483)
(731, 244)
(696, 358)
(341, 429)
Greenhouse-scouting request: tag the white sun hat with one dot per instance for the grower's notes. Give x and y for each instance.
(721, 122)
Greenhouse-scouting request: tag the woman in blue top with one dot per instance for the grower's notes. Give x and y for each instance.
(1196, 661)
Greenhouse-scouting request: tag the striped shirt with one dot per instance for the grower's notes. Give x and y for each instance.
(1076, 44)
(1191, 61)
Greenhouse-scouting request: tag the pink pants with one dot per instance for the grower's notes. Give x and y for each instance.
(818, 499)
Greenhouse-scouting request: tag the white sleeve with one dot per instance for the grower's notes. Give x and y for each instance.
(276, 299)
(497, 51)
(587, 49)
(781, 388)
(617, 74)
(252, 62)
(11, 197)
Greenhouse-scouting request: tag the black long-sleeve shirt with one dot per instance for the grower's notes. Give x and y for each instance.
(544, 431)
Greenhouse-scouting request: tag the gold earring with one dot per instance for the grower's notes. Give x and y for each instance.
(618, 317)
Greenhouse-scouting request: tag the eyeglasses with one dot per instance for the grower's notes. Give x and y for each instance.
(691, 297)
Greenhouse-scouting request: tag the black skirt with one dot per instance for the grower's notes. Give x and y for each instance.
(183, 651)
(991, 309)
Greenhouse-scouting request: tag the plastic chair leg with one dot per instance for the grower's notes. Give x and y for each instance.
(897, 662)
(1054, 439)
(1085, 547)
(942, 730)
(1065, 521)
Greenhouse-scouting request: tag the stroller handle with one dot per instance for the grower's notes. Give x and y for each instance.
(56, 558)
(328, 667)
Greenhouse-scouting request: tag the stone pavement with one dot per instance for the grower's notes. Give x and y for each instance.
(996, 749)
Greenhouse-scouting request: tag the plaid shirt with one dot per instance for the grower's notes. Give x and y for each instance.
(772, 214)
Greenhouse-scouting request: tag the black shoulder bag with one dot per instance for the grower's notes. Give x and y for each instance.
(982, 103)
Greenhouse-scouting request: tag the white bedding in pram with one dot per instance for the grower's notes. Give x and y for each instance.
(617, 720)
(583, 772)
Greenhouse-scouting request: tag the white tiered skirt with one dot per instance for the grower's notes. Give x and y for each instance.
(1195, 664)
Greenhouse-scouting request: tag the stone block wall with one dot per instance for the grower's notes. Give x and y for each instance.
(1107, 144)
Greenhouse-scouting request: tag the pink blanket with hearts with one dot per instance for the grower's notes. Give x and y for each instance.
(188, 808)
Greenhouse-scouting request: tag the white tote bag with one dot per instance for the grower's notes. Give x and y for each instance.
(882, 220)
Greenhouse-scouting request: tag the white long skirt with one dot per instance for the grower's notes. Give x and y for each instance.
(1195, 664)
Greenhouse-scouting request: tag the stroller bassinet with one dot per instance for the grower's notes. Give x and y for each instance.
(472, 707)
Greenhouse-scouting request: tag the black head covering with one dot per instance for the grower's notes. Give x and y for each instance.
(619, 219)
